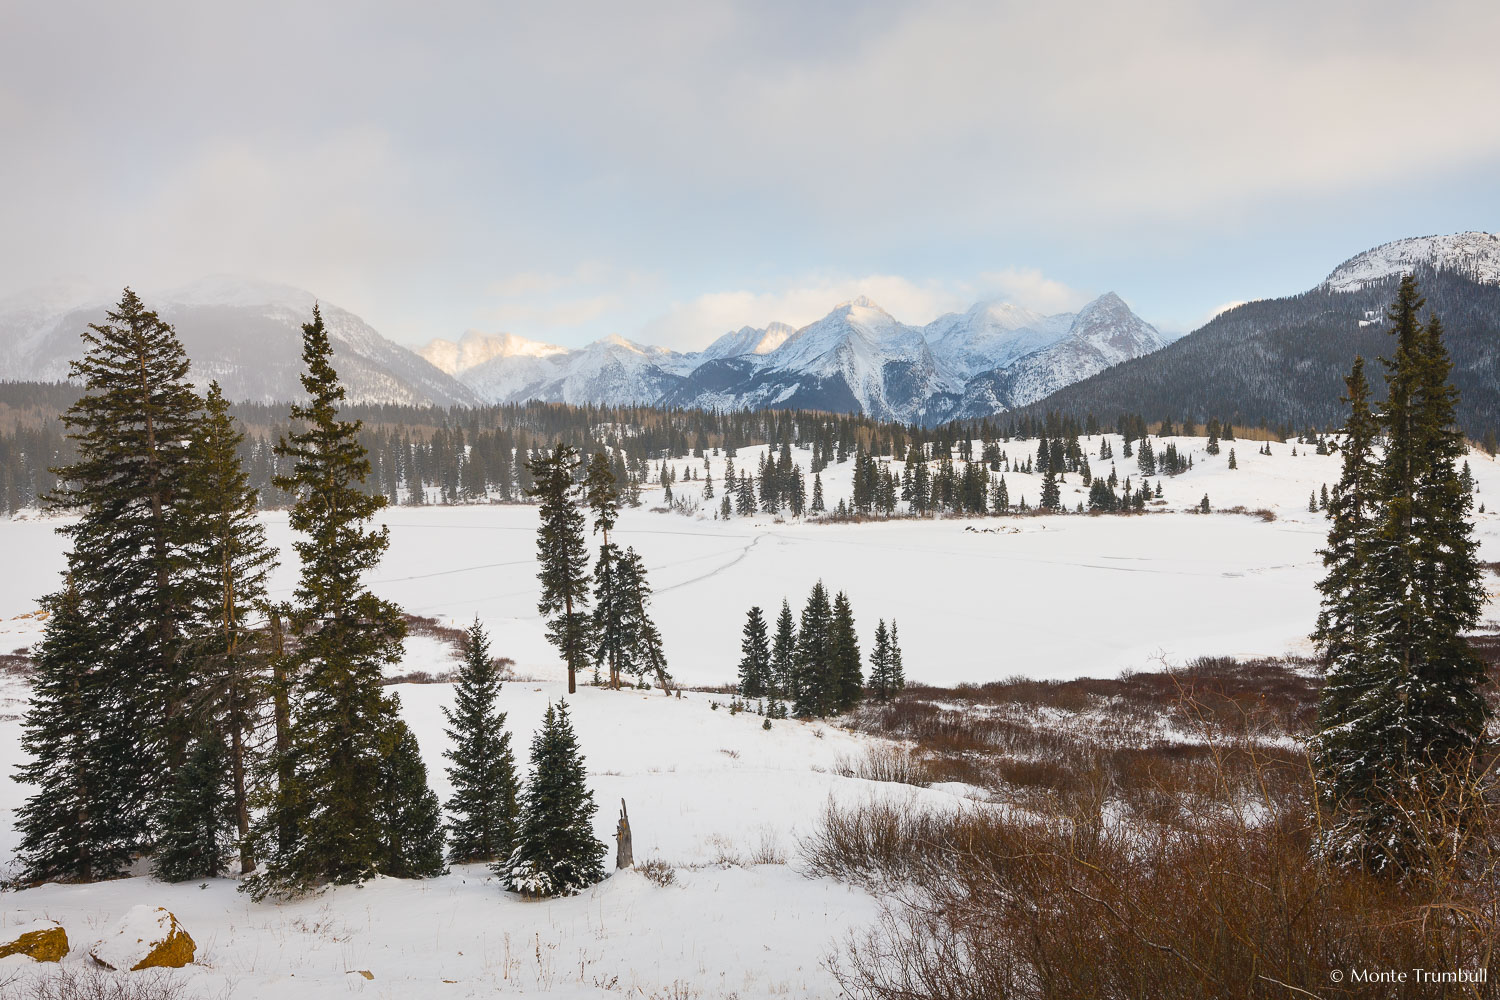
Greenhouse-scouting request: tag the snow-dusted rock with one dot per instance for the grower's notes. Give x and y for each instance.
(43, 940)
(146, 937)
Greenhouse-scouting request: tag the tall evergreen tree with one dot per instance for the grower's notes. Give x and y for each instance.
(1352, 508)
(77, 825)
(882, 680)
(339, 737)
(784, 655)
(229, 686)
(1405, 703)
(898, 667)
(131, 427)
(562, 558)
(814, 675)
(556, 852)
(482, 808)
(848, 671)
(755, 656)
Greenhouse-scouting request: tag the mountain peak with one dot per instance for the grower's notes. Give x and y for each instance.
(1475, 255)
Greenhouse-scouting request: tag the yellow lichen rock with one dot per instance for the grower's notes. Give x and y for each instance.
(43, 940)
(146, 938)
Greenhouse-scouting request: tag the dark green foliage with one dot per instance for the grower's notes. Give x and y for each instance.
(641, 647)
(335, 764)
(556, 852)
(228, 686)
(482, 808)
(131, 428)
(1351, 518)
(755, 656)
(410, 819)
(197, 832)
(77, 825)
(882, 666)
(848, 671)
(784, 655)
(562, 558)
(1404, 703)
(813, 674)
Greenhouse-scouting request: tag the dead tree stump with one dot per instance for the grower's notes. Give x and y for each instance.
(624, 857)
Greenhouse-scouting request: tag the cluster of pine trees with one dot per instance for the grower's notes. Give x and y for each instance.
(1403, 710)
(177, 713)
(815, 667)
(619, 633)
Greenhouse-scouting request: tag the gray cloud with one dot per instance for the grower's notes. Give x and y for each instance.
(408, 161)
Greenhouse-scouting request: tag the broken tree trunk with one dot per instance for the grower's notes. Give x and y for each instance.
(624, 858)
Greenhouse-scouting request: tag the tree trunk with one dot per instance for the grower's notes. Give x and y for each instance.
(624, 856)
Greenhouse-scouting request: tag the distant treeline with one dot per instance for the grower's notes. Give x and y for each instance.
(425, 455)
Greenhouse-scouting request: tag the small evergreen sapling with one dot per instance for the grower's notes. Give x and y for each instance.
(556, 852)
(755, 656)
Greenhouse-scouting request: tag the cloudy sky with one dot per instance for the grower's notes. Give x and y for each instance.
(669, 171)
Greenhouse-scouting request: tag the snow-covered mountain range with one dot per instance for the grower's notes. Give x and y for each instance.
(246, 334)
(856, 359)
(1475, 256)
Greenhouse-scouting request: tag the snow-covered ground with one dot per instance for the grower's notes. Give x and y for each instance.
(710, 793)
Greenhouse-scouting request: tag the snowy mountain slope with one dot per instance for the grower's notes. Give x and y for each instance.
(246, 334)
(1103, 333)
(747, 340)
(1474, 255)
(1283, 360)
(992, 335)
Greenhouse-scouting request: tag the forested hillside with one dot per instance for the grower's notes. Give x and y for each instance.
(1281, 362)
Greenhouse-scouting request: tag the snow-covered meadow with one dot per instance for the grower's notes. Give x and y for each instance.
(714, 795)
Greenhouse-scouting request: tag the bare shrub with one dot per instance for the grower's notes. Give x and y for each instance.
(87, 982)
(769, 851)
(884, 762)
(1235, 904)
(657, 871)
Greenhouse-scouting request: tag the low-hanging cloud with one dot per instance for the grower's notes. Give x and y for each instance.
(434, 168)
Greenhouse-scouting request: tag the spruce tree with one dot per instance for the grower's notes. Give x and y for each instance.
(880, 664)
(898, 667)
(847, 664)
(482, 808)
(411, 820)
(642, 650)
(340, 718)
(755, 656)
(1405, 705)
(562, 558)
(77, 825)
(813, 675)
(784, 655)
(229, 686)
(1051, 494)
(556, 852)
(1351, 517)
(131, 428)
